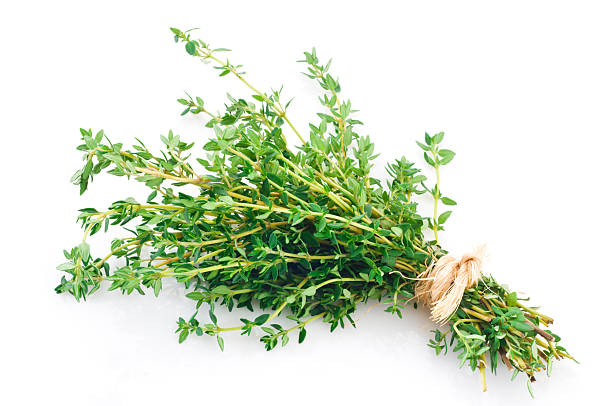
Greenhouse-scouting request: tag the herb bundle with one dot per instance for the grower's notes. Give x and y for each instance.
(307, 233)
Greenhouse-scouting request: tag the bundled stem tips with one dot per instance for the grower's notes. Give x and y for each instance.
(306, 233)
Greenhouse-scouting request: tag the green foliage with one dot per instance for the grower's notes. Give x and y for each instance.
(306, 233)
(437, 157)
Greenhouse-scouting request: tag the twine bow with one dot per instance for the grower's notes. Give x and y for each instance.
(442, 285)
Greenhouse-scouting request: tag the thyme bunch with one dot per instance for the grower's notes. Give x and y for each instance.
(307, 233)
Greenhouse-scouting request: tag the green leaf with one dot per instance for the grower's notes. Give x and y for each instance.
(227, 200)
(436, 139)
(302, 335)
(99, 136)
(310, 291)
(157, 287)
(347, 138)
(264, 215)
(84, 250)
(423, 146)
(183, 335)
(443, 217)
(261, 319)
(428, 159)
(321, 224)
(285, 198)
(75, 179)
(297, 220)
(418, 179)
(212, 316)
(511, 299)
(66, 266)
(521, 326)
(273, 241)
(448, 201)
(529, 387)
(549, 366)
(447, 156)
(195, 295)
(397, 231)
(220, 342)
(221, 290)
(190, 47)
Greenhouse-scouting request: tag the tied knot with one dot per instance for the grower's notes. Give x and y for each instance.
(442, 285)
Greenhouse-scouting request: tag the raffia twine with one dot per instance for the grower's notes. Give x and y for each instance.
(442, 285)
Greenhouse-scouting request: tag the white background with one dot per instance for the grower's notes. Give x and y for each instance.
(522, 90)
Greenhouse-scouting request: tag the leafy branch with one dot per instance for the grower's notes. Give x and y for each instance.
(308, 234)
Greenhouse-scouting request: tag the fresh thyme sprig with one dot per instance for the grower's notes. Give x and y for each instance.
(307, 233)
